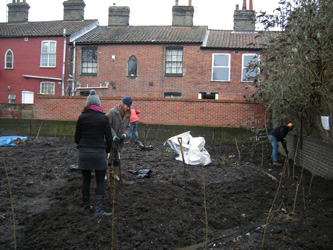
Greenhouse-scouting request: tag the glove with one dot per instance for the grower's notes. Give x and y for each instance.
(123, 136)
(116, 138)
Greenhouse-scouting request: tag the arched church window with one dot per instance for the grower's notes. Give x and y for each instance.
(9, 59)
(132, 67)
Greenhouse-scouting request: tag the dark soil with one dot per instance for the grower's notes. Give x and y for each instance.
(225, 204)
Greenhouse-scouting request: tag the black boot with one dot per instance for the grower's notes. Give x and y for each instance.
(86, 203)
(98, 207)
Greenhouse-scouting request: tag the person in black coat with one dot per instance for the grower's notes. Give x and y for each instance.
(277, 135)
(94, 138)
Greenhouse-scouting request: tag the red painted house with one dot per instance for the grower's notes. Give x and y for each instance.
(35, 55)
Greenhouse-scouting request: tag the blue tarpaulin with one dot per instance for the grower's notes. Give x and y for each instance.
(8, 141)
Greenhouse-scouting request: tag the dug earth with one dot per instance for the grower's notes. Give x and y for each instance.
(239, 201)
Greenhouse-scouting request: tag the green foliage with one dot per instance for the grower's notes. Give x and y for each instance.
(296, 69)
(169, 150)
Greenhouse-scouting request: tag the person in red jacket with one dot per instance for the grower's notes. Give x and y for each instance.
(134, 124)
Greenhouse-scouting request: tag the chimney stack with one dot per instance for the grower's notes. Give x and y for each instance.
(119, 16)
(18, 12)
(182, 16)
(245, 20)
(244, 4)
(74, 10)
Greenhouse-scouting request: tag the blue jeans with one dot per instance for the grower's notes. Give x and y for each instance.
(275, 147)
(134, 128)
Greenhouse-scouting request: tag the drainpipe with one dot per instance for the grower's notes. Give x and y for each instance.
(63, 64)
(73, 71)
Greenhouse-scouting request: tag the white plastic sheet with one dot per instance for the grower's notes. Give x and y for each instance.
(193, 149)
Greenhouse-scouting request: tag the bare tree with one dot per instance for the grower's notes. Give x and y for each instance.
(296, 69)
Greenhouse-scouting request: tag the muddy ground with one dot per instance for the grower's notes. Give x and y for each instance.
(224, 205)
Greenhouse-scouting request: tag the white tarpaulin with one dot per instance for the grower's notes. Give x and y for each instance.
(193, 149)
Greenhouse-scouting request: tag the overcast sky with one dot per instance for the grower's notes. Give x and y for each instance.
(217, 14)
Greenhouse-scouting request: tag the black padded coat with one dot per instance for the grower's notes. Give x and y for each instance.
(94, 138)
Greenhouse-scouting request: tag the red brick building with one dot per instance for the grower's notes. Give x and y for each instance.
(35, 54)
(181, 60)
(172, 67)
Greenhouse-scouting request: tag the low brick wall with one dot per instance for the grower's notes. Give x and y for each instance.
(35, 128)
(214, 113)
(54, 128)
(9, 110)
(313, 154)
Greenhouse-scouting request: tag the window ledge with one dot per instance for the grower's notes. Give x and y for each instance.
(89, 74)
(173, 75)
(220, 81)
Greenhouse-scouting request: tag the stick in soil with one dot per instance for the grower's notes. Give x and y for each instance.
(180, 140)
(262, 154)
(239, 156)
(205, 206)
(270, 210)
(11, 202)
(146, 135)
(39, 130)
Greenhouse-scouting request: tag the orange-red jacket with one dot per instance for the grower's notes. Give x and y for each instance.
(134, 117)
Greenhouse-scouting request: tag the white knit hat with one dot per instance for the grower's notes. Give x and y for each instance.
(93, 99)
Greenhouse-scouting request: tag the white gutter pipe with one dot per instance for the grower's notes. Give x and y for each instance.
(63, 64)
(73, 78)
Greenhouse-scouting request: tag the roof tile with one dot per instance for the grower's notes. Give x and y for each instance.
(237, 40)
(145, 34)
(37, 29)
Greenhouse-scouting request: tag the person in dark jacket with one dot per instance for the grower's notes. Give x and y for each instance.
(277, 135)
(93, 137)
(119, 117)
(134, 124)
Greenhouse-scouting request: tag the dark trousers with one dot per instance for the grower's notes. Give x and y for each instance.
(100, 180)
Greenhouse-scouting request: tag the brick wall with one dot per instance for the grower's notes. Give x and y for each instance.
(151, 80)
(161, 111)
(25, 111)
(313, 154)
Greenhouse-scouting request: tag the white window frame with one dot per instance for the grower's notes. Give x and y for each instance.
(11, 98)
(48, 54)
(216, 94)
(47, 90)
(221, 67)
(12, 59)
(172, 95)
(174, 62)
(89, 67)
(244, 66)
